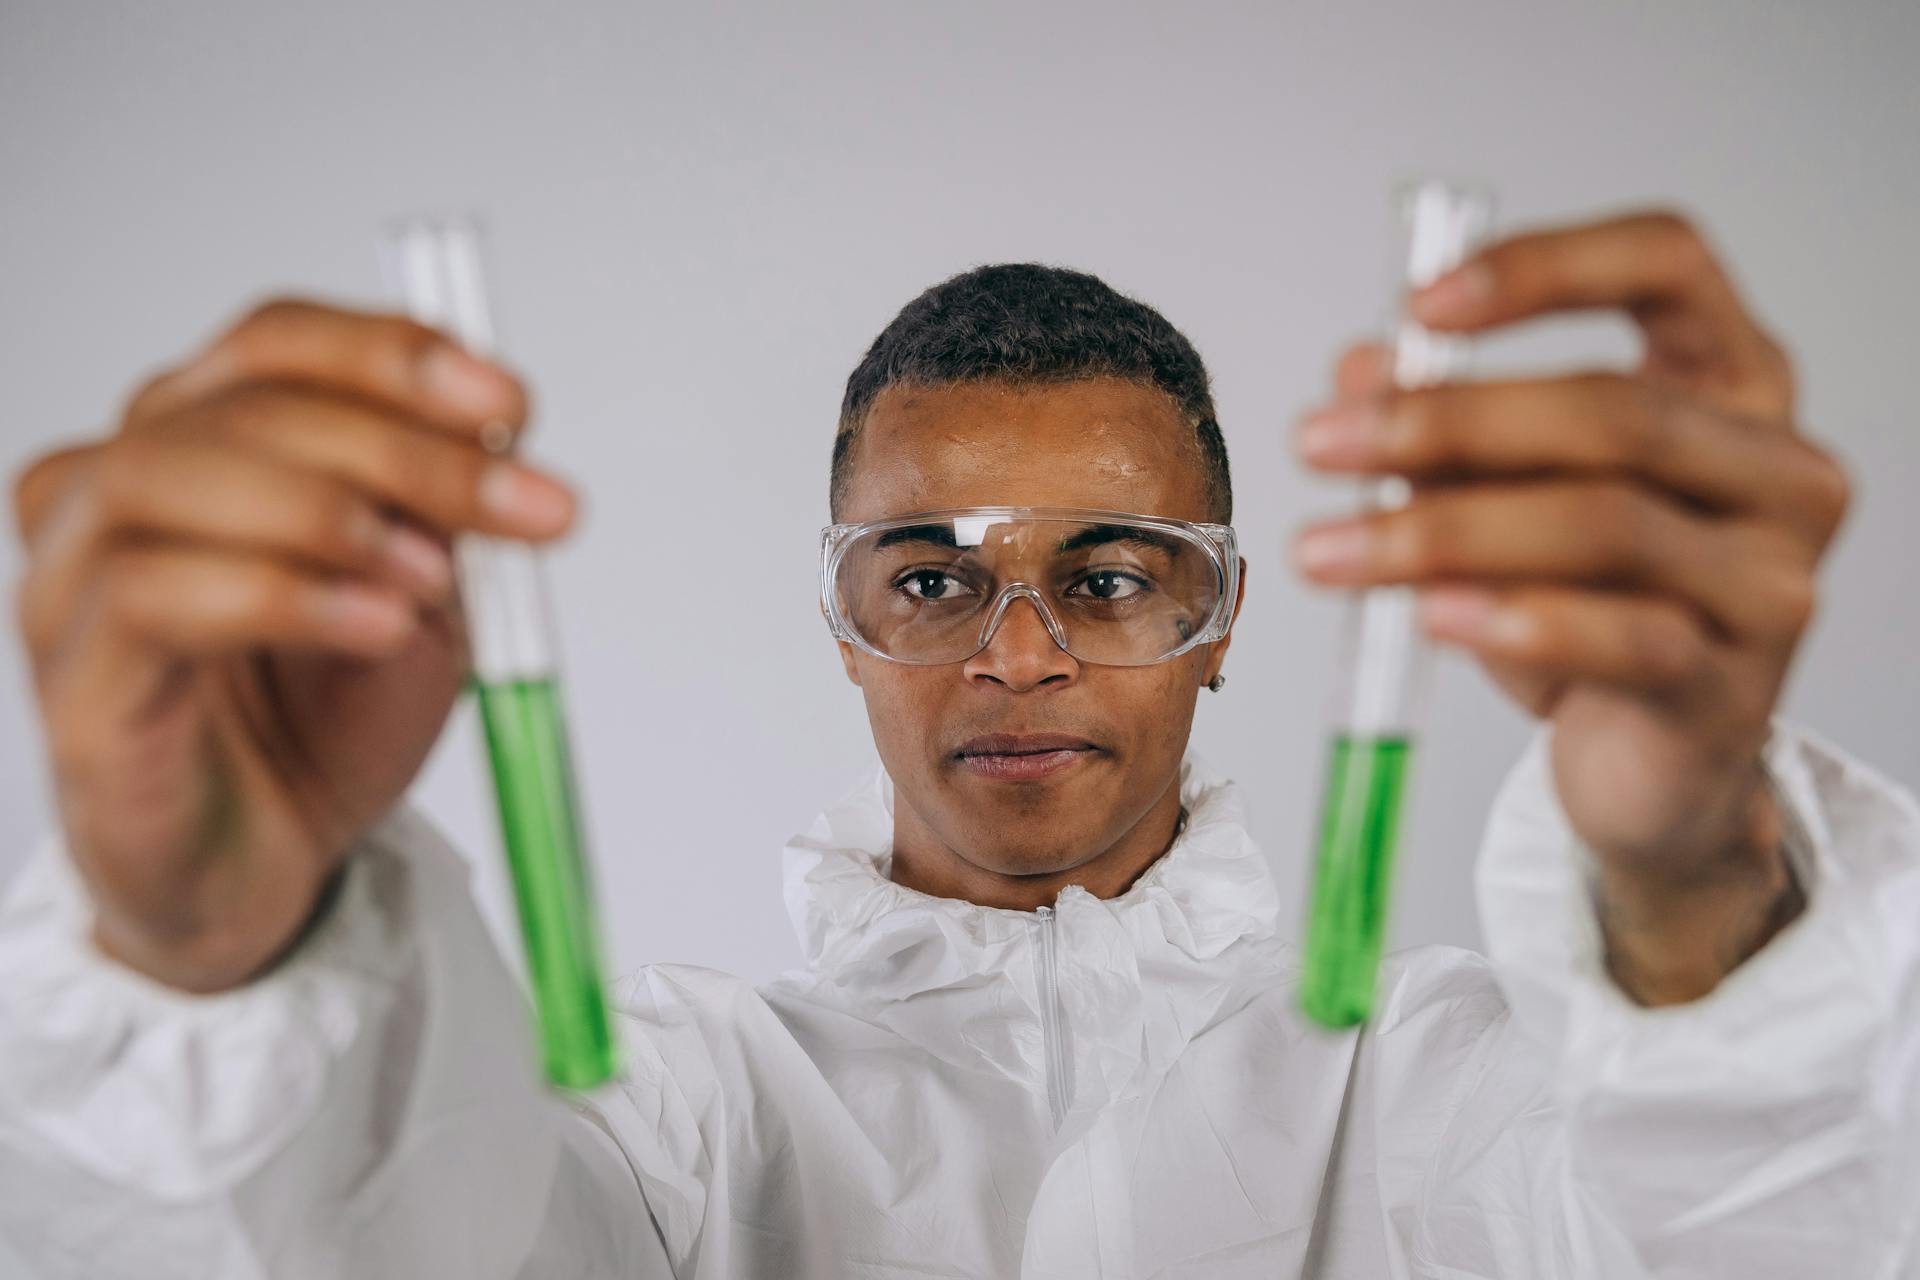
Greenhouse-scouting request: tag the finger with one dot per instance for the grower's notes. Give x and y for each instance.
(150, 609)
(192, 493)
(1753, 581)
(1538, 694)
(1658, 268)
(1551, 636)
(447, 484)
(1364, 370)
(385, 358)
(1602, 424)
(40, 485)
(199, 600)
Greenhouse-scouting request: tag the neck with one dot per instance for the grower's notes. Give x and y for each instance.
(922, 861)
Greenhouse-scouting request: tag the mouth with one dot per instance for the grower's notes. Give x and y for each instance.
(1019, 757)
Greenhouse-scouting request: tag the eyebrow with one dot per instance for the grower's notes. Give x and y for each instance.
(1093, 535)
(940, 535)
(1099, 535)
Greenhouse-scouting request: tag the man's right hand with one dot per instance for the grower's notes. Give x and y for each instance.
(241, 617)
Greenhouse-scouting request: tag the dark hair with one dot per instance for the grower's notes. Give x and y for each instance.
(1026, 322)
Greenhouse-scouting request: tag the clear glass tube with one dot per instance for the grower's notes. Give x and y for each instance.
(435, 266)
(1441, 222)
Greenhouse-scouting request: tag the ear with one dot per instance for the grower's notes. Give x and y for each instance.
(846, 653)
(1217, 651)
(846, 660)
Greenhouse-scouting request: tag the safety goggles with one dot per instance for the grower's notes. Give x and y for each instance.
(1112, 588)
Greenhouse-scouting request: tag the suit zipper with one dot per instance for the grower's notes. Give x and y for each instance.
(1050, 1017)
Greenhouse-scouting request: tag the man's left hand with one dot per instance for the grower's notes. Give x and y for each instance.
(1630, 555)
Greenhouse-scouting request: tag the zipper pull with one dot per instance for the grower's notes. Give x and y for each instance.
(1049, 995)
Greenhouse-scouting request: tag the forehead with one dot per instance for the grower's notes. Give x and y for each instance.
(1096, 442)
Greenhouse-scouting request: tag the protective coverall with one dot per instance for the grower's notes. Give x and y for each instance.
(1117, 1088)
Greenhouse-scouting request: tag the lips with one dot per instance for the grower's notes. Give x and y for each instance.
(1022, 744)
(1023, 757)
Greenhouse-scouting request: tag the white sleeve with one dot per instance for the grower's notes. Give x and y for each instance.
(368, 1108)
(1772, 1127)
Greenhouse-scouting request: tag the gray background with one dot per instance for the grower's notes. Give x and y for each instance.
(701, 217)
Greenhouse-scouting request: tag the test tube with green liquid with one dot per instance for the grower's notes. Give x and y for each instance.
(435, 265)
(1372, 742)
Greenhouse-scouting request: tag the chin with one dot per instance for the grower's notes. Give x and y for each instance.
(1031, 860)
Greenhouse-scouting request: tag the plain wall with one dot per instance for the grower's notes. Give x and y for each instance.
(701, 216)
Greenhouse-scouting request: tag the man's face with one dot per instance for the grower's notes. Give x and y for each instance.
(1103, 443)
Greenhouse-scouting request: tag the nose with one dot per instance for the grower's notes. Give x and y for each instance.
(1021, 653)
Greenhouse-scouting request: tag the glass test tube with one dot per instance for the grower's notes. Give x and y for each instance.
(435, 265)
(1383, 659)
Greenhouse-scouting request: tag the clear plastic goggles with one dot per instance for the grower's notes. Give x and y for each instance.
(1112, 588)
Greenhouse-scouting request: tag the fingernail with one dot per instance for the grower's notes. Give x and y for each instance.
(422, 561)
(522, 497)
(464, 383)
(1337, 548)
(364, 614)
(1508, 627)
(1457, 612)
(1348, 434)
(1454, 296)
(496, 436)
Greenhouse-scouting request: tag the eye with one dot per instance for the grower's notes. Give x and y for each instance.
(930, 584)
(1111, 584)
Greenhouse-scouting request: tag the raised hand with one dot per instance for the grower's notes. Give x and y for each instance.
(1631, 555)
(241, 617)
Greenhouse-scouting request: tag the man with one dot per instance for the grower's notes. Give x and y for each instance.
(253, 1027)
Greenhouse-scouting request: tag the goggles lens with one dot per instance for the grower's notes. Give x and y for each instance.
(1111, 589)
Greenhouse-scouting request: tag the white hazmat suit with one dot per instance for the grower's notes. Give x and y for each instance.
(1117, 1088)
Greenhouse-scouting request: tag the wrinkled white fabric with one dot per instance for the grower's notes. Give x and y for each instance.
(944, 1090)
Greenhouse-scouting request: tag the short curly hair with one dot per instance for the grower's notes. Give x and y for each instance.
(1027, 323)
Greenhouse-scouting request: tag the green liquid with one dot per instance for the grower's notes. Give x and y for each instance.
(1359, 814)
(533, 778)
